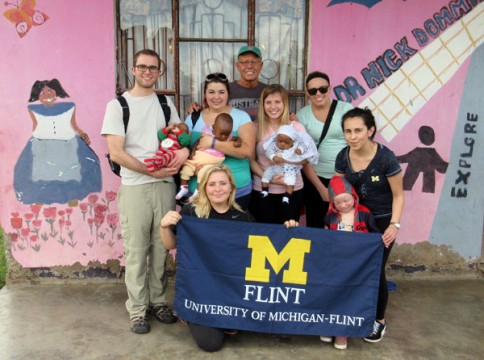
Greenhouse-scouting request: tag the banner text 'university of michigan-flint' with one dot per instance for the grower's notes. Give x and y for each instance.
(266, 278)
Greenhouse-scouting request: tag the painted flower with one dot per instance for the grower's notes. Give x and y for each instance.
(112, 220)
(34, 238)
(100, 209)
(83, 207)
(35, 209)
(25, 232)
(28, 216)
(50, 212)
(37, 223)
(110, 195)
(98, 219)
(90, 221)
(92, 199)
(16, 222)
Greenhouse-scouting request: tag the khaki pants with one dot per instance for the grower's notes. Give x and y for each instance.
(141, 209)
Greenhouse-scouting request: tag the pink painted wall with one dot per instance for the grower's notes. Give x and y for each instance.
(348, 36)
(76, 46)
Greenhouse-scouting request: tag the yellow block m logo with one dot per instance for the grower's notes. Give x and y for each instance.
(293, 253)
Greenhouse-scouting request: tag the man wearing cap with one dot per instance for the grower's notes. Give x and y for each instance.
(245, 92)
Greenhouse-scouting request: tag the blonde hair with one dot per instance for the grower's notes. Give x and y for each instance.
(202, 203)
(262, 118)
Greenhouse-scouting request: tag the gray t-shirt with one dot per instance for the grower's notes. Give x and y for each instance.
(246, 99)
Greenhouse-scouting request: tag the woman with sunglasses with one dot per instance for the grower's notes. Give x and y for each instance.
(314, 116)
(216, 100)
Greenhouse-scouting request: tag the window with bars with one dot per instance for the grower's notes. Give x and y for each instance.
(195, 38)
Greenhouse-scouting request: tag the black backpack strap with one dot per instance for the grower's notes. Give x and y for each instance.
(124, 105)
(164, 106)
(195, 117)
(328, 121)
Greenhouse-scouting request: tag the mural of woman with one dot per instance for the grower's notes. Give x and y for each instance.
(57, 165)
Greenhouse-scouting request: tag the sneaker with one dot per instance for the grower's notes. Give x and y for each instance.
(286, 198)
(340, 342)
(377, 334)
(264, 193)
(162, 314)
(139, 325)
(326, 339)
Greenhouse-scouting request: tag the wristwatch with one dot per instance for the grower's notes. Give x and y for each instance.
(396, 224)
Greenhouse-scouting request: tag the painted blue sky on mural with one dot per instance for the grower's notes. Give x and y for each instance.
(367, 3)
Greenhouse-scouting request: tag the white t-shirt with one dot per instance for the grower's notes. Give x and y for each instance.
(141, 139)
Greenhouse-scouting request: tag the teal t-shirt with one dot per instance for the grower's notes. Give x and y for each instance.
(332, 143)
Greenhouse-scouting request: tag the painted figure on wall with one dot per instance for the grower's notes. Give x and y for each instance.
(425, 161)
(24, 16)
(57, 165)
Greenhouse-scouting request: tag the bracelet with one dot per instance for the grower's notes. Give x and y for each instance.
(213, 142)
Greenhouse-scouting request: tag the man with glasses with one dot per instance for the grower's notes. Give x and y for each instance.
(144, 197)
(245, 92)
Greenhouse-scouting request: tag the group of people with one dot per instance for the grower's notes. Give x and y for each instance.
(323, 161)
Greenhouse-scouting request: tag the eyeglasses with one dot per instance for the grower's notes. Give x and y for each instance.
(216, 76)
(143, 68)
(322, 90)
(251, 62)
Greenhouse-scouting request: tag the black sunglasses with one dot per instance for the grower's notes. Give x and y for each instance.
(322, 90)
(216, 76)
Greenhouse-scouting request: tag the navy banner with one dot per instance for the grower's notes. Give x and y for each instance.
(266, 278)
